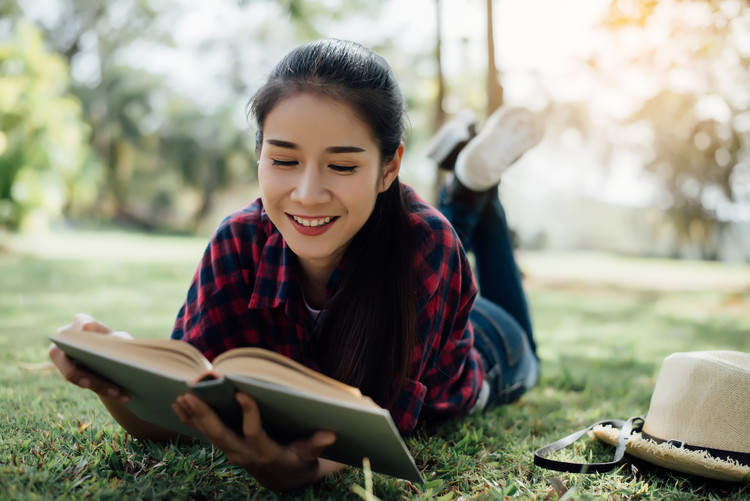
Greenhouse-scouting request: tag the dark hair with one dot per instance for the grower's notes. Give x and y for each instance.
(367, 331)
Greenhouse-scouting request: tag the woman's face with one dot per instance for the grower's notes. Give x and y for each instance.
(320, 172)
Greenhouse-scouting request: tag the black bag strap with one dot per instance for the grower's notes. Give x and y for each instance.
(626, 428)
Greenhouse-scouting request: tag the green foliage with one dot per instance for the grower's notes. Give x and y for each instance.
(44, 154)
(164, 155)
(601, 347)
(156, 157)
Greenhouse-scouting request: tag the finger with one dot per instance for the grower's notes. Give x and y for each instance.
(83, 378)
(311, 448)
(252, 428)
(201, 417)
(121, 334)
(86, 322)
(98, 385)
(182, 414)
(251, 422)
(66, 365)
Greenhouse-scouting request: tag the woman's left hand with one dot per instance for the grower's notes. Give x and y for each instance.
(274, 466)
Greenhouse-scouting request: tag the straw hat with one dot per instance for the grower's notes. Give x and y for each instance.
(698, 421)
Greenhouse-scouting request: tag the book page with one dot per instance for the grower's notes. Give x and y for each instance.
(271, 367)
(169, 356)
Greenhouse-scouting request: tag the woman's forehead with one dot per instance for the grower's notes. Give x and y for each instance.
(312, 116)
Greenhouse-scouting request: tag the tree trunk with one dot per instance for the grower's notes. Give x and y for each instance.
(439, 111)
(494, 89)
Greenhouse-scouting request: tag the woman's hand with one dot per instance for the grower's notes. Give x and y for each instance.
(79, 376)
(274, 466)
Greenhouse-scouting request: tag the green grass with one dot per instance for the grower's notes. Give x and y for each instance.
(601, 338)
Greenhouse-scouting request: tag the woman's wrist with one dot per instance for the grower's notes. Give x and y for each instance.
(133, 424)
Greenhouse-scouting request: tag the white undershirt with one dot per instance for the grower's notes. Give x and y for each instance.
(314, 314)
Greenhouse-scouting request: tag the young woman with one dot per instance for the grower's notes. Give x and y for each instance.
(341, 267)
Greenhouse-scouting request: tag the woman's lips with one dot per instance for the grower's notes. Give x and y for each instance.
(312, 226)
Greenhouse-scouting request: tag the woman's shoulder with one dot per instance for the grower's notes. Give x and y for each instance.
(250, 221)
(440, 259)
(428, 225)
(243, 238)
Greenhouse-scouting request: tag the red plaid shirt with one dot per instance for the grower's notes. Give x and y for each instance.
(246, 293)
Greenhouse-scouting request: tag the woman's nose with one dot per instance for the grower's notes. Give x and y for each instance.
(310, 188)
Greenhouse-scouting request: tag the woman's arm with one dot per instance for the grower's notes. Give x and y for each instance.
(113, 397)
(134, 425)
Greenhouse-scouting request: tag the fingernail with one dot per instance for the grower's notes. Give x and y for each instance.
(113, 392)
(84, 382)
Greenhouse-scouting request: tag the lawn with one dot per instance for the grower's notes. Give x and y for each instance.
(603, 326)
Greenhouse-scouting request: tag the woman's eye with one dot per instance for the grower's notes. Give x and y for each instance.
(283, 163)
(342, 168)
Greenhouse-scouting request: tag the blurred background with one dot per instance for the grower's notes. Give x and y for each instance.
(130, 114)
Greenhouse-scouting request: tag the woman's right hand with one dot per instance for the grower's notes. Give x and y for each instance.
(78, 375)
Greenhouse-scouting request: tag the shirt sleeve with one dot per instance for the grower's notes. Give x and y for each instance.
(447, 372)
(214, 317)
(454, 373)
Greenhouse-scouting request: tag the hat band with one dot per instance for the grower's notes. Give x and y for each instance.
(741, 457)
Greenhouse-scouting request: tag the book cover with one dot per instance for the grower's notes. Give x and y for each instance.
(293, 400)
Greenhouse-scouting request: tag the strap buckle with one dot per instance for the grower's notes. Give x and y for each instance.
(676, 443)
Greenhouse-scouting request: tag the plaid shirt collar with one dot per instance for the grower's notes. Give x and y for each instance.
(278, 264)
(285, 285)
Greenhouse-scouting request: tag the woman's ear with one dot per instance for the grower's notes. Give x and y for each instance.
(391, 169)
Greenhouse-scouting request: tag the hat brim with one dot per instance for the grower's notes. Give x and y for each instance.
(674, 458)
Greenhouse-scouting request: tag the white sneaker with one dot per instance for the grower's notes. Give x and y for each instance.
(507, 134)
(451, 138)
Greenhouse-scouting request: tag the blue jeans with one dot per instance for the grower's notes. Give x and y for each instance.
(502, 323)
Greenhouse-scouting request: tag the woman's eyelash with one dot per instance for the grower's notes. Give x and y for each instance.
(284, 163)
(337, 168)
(342, 168)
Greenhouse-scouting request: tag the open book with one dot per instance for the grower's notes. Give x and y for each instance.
(294, 400)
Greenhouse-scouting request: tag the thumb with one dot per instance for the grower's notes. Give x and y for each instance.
(311, 448)
(86, 322)
(322, 439)
(251, 422)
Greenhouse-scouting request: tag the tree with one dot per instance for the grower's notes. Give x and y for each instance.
(148, 160)
(45, 166)
(116, 109)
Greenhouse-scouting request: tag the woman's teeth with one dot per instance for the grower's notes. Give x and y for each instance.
(312, 222)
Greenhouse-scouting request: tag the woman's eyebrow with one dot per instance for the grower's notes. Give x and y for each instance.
(282, 144)
(331, 149)
(345, 149)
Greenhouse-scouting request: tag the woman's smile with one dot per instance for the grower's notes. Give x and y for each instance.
(314, 226)
(315, 221)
